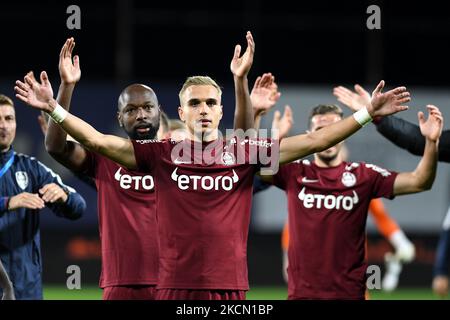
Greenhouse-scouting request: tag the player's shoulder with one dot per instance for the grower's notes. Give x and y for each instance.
(371, 168)
(25, 160)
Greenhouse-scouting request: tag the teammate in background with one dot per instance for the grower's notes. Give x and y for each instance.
(264, 97)
(26, 187)
(203, 256)
(407, 135)
(328, 201)
(6, 284)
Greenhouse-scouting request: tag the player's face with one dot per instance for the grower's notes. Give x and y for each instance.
(201, 109)
(139, 114)
(7, 126)
(318, 122)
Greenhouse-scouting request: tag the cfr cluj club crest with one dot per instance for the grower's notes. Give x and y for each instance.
(22, 179)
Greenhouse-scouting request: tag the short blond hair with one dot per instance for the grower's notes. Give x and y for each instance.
(4, 100)
(199, 81)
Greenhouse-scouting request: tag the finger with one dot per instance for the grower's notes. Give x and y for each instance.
(379, 88)
(360, 90)
(237, 51)
(276, 96)
(421, 117)
(250, 42)
(22, 85)
(44, 78)
(70, 49)
(29, 81)
(287, 111)
(431, 107)
(277, 116)
(63, 49)
(45, 188)
(22, 98)
(23, 93)
(403, 100)
(257, 82)
(76, 62)
(31, 75)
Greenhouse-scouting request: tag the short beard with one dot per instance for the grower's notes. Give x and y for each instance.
(151, 134)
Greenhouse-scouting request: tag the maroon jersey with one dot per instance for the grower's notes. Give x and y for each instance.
(327, 220)
(203, 210)
(127, 223)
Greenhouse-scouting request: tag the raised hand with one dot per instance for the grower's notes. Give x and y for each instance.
(282, 124)
(384, 104)
(33, 93)
(53, 193)
(25, 200)
(353, 100)
(240, 66)
(69, 70)
(264, 94)
(431, 128)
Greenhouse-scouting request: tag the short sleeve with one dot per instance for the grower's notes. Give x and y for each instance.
(90, 164)
(148, 153)
(382, 181)
(280, 179)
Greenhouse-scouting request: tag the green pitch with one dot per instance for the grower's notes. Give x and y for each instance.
(256, 293)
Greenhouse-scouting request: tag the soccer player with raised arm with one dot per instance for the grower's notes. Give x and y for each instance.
(204, 183)
(328, 200)
(406, 135)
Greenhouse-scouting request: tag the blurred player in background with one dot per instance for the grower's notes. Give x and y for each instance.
(328, 201)
(407, 135)
(26, 187)
(264, 96)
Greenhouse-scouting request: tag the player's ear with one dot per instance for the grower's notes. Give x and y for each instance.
(221, 112)
(181, 113)
(119, 119)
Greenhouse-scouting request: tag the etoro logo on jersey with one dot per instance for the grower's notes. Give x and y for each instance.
(206, 183)
(127, 181)
(329, 201)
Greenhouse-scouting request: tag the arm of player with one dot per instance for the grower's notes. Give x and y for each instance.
(422, 177)
(6, 284)
(40, 96)
(69, 153)
(381, 104)
(240, 66)
(402, 133)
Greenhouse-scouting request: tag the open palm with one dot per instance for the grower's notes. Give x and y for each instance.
(240, 66)
(69, 70)
(431, 128)
(34, 93)
(264, 94)
(383, 104)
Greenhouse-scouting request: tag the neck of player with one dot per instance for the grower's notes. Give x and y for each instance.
(203, 136)
(328, 162)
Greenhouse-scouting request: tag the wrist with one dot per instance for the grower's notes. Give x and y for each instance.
(67, 85)
(240, 77)
(363, 116)
(58, 113)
